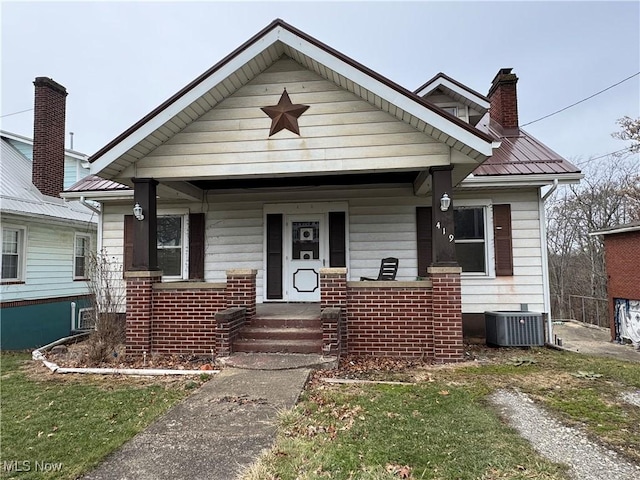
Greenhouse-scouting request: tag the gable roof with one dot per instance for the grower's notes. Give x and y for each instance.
(456, 90)
(252, 58)
(19, 196)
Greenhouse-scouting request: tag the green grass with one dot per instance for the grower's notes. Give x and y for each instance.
(73, 421)
(440, 432)
(444, 427)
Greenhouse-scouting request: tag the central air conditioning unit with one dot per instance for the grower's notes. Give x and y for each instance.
(514, 329)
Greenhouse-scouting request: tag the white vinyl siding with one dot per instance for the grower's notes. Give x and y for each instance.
(339, 132)
(49, 263)
(382, 223)
(480, 294)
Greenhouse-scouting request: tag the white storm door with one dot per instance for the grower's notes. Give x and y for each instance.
(305, 257)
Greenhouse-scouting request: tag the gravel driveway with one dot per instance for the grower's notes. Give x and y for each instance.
(562, 444)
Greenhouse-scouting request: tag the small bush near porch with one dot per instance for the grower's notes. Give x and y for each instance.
(68, 424)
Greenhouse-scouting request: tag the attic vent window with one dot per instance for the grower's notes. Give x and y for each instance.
(452, 110)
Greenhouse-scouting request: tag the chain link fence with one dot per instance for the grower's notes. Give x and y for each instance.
(589, 310)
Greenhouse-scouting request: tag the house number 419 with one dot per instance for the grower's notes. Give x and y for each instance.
(444, 231)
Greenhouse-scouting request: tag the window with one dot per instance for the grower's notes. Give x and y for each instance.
(452, 110)
(81, 256)
(477, 228)
(470, 239)
(12, 253)
(170, 232)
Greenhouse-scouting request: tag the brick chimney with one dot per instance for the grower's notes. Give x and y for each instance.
(48, 136)
(504, 99)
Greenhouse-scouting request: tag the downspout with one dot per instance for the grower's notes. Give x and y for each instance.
(545, 258)
(84, 202)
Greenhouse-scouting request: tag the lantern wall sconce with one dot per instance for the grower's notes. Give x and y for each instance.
(445, 202)
(137, 212)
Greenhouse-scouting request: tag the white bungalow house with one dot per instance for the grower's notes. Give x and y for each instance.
(287, 171)
(45, 240)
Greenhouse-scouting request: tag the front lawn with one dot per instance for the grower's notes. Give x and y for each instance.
(57, 426)
(443, 427)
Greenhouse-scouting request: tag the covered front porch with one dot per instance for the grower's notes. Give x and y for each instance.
(419, 318)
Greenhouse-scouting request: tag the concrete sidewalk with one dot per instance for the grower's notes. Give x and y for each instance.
(592, 340)
(216, 431)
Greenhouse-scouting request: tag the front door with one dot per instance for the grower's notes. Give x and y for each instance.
(305, 257)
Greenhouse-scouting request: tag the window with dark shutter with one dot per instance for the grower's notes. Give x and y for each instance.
(503, 239)
(337, 240)
(423, 224)
(274, 256)
(196, 246)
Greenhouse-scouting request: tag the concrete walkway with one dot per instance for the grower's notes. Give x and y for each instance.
(592, 340)
(219, 429)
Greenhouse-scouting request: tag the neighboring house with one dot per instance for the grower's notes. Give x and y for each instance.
(46, 241)
(622, 258)
(288, 171)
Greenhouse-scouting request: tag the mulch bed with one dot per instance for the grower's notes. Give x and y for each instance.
(77, 356)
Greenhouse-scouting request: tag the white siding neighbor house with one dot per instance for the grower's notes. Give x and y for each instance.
(288, 171)
(46, 241)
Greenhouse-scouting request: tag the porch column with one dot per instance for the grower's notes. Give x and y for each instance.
(443, 246)
(445, 273)
(140, 310)
(145, 243)
(333, 302)
(333, 288)
(241, 290)
(447, 314)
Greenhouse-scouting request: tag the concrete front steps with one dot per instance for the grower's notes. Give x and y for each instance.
(280, 335)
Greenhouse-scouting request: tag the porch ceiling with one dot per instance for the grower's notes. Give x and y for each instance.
(254, 57)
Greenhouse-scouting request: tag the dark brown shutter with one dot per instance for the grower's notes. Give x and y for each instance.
(337, 240)
(502, 239)
(424, 228)
(274, 256)
(128, 243)
(196, 246)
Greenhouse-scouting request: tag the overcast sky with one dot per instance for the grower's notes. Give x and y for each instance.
(119, 60)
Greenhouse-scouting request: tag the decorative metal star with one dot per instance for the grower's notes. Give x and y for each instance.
(284, 115)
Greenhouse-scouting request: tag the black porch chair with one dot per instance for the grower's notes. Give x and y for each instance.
(388, 270)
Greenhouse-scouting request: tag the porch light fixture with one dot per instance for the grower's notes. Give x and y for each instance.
(137, 212)
(445, 202)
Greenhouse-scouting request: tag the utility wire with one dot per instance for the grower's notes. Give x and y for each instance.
(15, 113)
(583, 100)
(584, 162)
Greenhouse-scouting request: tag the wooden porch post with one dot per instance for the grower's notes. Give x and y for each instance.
(139, 317)
(445, 274)
(145, 243)
(444, 248)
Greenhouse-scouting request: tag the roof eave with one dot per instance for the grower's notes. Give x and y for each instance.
(520, 180)
(279, 31)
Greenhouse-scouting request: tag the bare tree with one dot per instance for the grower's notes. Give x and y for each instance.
(108, 302)
(629, 130)
(609, 195)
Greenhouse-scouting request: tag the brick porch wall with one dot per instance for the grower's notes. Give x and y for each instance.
(140, 310)
(184, 317)
(179, 318)
(241, 291)
(377, 318)
(447, 314)
(389, 319)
